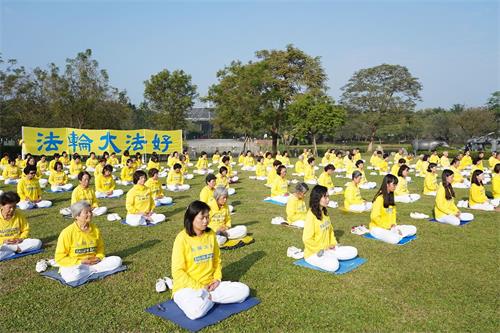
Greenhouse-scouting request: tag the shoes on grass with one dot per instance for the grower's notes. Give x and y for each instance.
(295, 253)
(278, 220)
(359, 230)
(164, 283)
(333, 204)
(418, 216)
(114, 217)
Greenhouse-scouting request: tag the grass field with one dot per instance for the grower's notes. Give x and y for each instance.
(446, 280)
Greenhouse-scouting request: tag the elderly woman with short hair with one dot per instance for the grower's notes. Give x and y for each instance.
(80, 247)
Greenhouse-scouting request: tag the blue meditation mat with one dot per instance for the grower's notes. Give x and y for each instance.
(461, 222)
(54, 275)
(144, 225)
(166, 205)
(23, 254)
(345, 265)
(274, 202)
(170, 311)
(403, 241)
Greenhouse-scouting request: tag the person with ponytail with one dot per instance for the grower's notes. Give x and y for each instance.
(383, 218)
(402, 194)
(320, 245)
(459, 181)
(445, 210)
(430, 182)
(477, 194)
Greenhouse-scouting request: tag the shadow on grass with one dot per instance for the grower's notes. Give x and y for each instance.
(236, 203)
(249, 223)
(180, 197)
(237, 269)
(57, 200)
(34, 216)
(49, 239)
(338, 234)
(134, 249)
(174, 211)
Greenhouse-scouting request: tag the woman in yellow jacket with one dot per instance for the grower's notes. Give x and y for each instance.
(14, 228)
(477, 194)
(83, 192)
(197, 267)
(65, 159)
(444, 161)
(325, 179)
(383, 166)
(155, 186)
(231, 174)
(459, 181)
(223, 180)
(320, 245)
(75, 167)
(80, 247)
(216, 157)
(352, 196)
(207, 192)
(4, 161)
(248, 162)
(113, 160)
(285, 160)
(466, 161)
(495, 185)
(430, 181)
(125, 157)
(105, 184)
(445, 210)
(91, 162)
(296, 207)
(364, 184)
(260, 170)
(402, 194)
(11, 173)
(299, 166)
(59, 180)
(309, 176)
(272, 173)
(127, 173)
(383, 217)
(175, 179)
(140, 203)
(279, 188)
(30, 192)
(202, 165)
(43, 166)
(492, 161)
(220, 218)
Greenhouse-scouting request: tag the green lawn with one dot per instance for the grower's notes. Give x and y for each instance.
(446, 280)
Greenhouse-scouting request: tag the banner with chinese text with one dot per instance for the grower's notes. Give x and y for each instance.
(48, 141)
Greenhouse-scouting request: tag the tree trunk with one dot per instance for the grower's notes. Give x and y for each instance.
(372, 138)
(274, 136)
(315, 150)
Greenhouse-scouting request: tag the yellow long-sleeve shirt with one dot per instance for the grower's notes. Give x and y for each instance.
(375, 161)
(394, 169)
(477, 195)
(16, 227)
(383, 167)
(325, 180)
(299, 166)
(29, 189)
(155, 187)
(123, 160)
(139, 200)
(175, 178)
(11, 172)
(430, 183)
(495, 186)
(279, 187)
(92, 162)
(206, 194)
(444, 161)
(219, 216)
(113, 161)
(58, 177)
(75, 168)
(248, 161)
(338, 163)
(309, 173)
(104, 183)
(241, 159)
(295, 209)
(457, 176)
(42, 166)
(352, 196)
(442, 206)
(349, 168)
(75, 245)
(151, 165)
(127, 174)
(380, 216)
(98, 170)
(260, 170)
(268, 161)
(285, 160)
(215, 158)
(171, 161)
(85, 194)
(326, 159)
(318, 234)
(492, 161)
(196, 261)
(222, 181)
(202, 163)
(21, 164)
(465, 162)
(401, 187)
(434, 159)
(64, 160)
(4, 161)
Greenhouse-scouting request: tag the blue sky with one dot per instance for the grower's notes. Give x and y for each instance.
(451, 46)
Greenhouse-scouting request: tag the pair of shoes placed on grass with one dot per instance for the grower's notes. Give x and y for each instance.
(278, 220)
(164, 283)
(463, 204)
(418, 216)
(114, 217)
(43, 264)
(295, 253)
(333, 204)
(359, 230)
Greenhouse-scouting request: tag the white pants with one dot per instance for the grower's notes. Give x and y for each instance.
(196, 303)
(495, 202)
(239, 231)
(233, 179)
(28, 244)
(231, 191)
(124, 182)
(89, 169)
(43, 182)
(258, 178)
(248, 168)
(334, 190)
(433, 194)
(163, 201)
(364, 207)
(464, 184)
(24, 205)
(280, 198)
(186, 176)
(177, 188)
(115, 194)
(484, 206)
(73, 177)
(329, 261)
(136, 220)
(453, 220)
(11, 181)
(368, 185)
(311, 182)
(394, 235)
(98, 211)
(408, 198)
(77, 272)
(61, 188)
(203, 171)
(298, 224)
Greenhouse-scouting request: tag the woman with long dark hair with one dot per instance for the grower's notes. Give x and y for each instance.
(320, 246)
(383, 217)
(445, 210)
(477, 194)
(402, 194)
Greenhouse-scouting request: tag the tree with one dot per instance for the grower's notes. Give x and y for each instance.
(287, 73)
(170, 95)
(313, 115)
(475, 122)
(380, 90)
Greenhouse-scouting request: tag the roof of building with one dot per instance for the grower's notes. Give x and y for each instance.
(200, 114)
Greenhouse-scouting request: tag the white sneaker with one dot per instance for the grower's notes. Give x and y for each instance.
(294, 181)
(52, 262)
(111, 217)
(333, 204)
(169, 282)
(65, 212)
(117, 217)
(41, 265)
(160, 286)
(277, 220)
(291, 251)
(298, 255)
